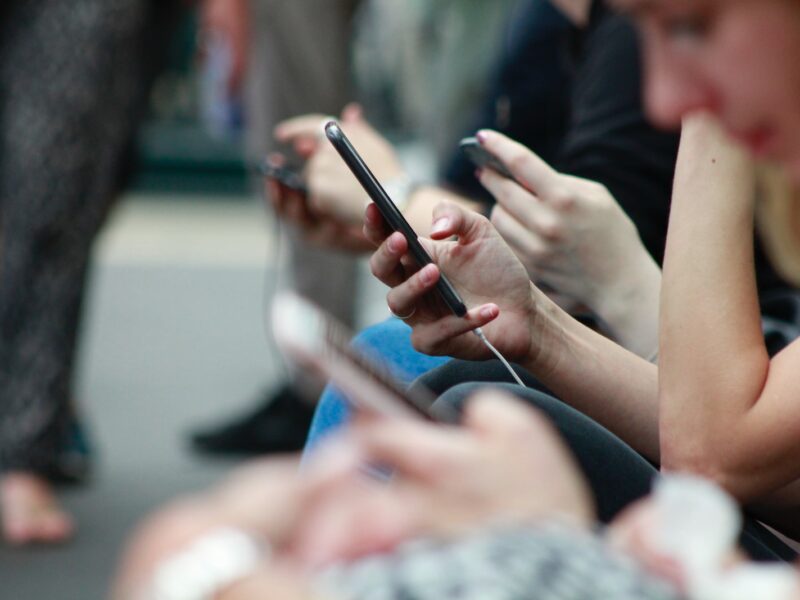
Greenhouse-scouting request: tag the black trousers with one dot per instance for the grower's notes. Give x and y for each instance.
(618, 475)
(72, 84)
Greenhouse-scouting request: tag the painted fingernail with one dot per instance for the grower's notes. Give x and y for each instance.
(394, 243)
(481, 136)
(489, 312)
(441, 225)
(426, 275)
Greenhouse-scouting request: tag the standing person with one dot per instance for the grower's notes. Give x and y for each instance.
(289, 58)
(72, 78)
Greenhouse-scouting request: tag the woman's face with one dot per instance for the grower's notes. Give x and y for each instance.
(739, 59)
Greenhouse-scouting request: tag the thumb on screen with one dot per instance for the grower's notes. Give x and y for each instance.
(452, 220)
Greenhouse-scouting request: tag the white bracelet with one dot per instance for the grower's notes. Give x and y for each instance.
(208, 566)
(697, 525)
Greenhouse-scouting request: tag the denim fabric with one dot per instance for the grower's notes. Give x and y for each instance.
(389, 341)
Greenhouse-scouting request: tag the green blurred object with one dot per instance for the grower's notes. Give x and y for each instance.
(183, 158)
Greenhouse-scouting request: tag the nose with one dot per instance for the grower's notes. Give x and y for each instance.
(673, 89)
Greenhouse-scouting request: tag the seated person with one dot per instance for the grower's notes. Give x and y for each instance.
(612, 386)
(596, 260)
(606, 136)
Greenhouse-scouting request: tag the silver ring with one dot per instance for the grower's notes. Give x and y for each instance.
(406, 317)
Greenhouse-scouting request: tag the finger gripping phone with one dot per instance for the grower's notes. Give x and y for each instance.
(482, 158)
(391, 214)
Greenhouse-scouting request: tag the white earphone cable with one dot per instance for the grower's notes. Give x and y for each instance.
(482, 337)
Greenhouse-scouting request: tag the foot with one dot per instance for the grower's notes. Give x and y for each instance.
(279, 423)
(30, 512)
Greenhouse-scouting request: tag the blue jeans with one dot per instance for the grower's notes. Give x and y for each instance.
(390, 342)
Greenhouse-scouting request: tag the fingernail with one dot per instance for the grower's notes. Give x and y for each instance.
(426, 275)
(441, 225)
(489, 312)
(394, 244)
(478, 173)
(482, 136)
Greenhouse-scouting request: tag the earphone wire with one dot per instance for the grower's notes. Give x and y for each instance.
(273, 279)
(482, 337)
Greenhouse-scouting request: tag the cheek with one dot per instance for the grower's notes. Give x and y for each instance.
(767, 78)
(791, 164)
(753, 60)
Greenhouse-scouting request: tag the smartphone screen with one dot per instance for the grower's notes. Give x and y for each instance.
(391, 214)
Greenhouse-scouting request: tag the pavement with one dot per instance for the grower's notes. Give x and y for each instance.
(174, 337)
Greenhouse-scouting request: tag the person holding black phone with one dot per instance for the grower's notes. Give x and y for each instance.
(278, 77)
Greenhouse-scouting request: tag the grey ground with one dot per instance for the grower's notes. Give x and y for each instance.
(174, 338)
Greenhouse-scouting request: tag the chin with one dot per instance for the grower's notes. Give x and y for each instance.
(792, 168)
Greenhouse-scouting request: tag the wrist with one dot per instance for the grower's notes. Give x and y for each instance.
(547, 329)
(401, 188)
(629, 306)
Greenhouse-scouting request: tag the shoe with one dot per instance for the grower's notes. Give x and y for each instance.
(279, 424)
(73, 463)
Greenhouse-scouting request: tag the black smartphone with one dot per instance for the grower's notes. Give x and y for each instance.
(481, 157)
(287, 176)
(390, 212)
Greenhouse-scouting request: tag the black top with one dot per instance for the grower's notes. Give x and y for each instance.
(574, 96)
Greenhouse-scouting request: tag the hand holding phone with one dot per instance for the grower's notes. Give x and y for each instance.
(482, 158)
(391, 214)
(285, 175)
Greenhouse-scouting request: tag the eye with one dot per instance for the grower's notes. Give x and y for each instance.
(687, 29)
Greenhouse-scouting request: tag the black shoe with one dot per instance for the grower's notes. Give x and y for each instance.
(73, 462)
(279, 424)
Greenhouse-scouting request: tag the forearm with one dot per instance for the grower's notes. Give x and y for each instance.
(629, 309)
(712, 358)
(603, 380)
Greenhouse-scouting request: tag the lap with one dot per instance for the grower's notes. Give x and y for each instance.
(617, 474)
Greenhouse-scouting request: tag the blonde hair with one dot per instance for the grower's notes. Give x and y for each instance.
(778, 221)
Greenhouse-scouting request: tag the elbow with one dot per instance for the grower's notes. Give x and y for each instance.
(679, 457)
(701, 456)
